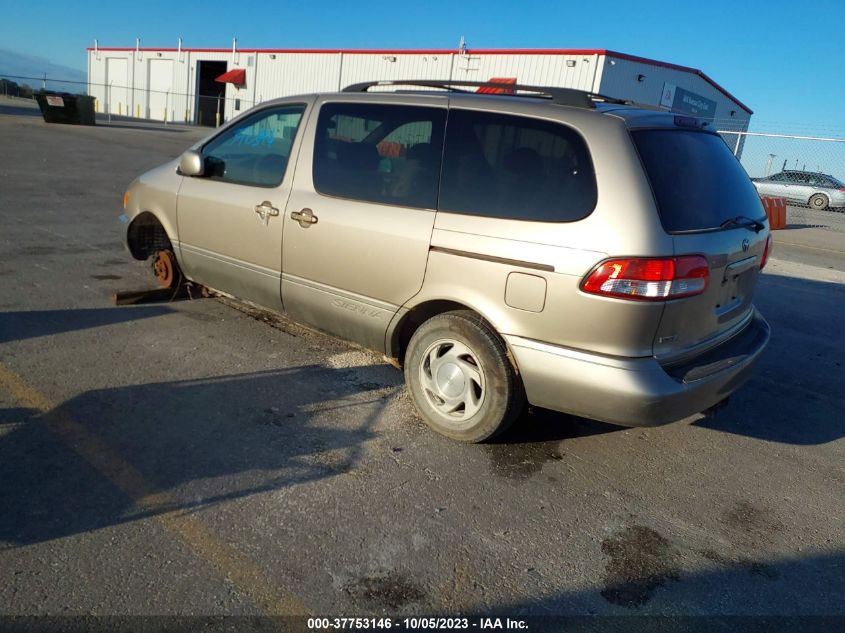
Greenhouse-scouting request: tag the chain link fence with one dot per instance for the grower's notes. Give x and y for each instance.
(205, 108)
(808, 171)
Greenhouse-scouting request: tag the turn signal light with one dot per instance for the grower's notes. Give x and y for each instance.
(649, 279)
(125, 199)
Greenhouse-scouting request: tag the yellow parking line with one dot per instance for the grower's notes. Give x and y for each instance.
(228, 562)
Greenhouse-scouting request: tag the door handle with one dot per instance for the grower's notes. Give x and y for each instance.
(305, 217)
(265, 210)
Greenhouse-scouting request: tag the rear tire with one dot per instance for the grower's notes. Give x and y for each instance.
(460, 378)
(819, 202)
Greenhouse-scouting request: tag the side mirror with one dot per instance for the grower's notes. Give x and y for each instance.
(191, 163)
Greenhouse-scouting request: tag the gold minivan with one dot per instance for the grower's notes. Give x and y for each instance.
(551, 246)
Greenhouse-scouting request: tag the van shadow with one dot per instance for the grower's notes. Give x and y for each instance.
(653, 589)
(539, 426)
(15, 326)
(186, 444)
(535, 439)
(797, 392)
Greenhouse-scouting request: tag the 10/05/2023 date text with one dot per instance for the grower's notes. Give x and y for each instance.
(415, 624)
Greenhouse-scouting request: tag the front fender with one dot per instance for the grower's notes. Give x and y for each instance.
(152, 200)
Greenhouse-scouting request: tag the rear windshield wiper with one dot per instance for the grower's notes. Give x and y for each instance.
(743, 221)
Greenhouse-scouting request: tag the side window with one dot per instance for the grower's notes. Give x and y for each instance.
(778, 178)
(256, 150)
(379, 153)
(515, 167)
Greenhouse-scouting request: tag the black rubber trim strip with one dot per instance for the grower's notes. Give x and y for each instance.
(735, 351)
(492, 258)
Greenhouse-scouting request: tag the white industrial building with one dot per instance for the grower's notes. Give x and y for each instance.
(184, 84)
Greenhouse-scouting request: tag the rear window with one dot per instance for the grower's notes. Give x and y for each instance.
(697, 181)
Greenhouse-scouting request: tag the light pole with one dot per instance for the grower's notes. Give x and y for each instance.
(769, 164)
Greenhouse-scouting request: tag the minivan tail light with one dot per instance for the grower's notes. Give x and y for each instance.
(649, 279)
(766, 251)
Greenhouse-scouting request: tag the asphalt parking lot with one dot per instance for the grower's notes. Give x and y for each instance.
(195, 458)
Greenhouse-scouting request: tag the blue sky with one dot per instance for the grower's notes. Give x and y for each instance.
(783, 59)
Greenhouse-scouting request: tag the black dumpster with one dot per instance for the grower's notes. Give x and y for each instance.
(64, 107)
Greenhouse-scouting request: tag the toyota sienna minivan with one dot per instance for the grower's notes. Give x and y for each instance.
(547, 246)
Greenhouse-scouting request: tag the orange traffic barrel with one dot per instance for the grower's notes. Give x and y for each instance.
(775, 211)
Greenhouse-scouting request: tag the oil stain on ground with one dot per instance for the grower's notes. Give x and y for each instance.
(535, 440)
(641, 561)
(521, 461)
(389, 590)
(752, 522)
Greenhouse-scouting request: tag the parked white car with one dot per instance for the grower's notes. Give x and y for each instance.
(818, 191)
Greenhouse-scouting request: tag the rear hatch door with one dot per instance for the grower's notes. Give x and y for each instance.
(709, 206)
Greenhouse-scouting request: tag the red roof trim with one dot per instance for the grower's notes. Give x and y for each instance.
(165, 49)
(385, 51)
(449, 51)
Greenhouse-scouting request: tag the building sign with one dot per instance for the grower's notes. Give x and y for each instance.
(686, 102)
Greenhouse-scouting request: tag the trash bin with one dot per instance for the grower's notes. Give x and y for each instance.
(64, 107)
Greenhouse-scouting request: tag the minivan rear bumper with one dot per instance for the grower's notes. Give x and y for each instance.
(636, 391)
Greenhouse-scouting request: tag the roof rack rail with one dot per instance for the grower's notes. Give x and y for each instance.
(561, 96)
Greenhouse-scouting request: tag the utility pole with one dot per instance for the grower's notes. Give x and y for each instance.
(769, 164)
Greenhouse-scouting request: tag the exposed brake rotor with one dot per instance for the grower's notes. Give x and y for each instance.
(165, 269)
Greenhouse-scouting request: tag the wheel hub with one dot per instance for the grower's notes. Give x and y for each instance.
(452, 380)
